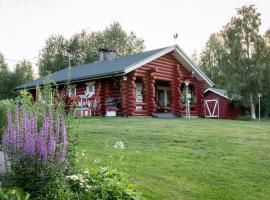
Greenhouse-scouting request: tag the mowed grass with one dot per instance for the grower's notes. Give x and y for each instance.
(182, 159)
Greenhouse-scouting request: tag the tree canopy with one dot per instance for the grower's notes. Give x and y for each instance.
(235, 58)
(60, 52)
(10, 79)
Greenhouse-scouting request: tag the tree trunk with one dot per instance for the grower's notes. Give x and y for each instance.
(252, 108)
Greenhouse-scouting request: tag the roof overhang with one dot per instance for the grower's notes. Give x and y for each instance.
(216, 92)
(75, 80)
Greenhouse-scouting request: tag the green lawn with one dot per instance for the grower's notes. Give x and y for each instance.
(182, 159)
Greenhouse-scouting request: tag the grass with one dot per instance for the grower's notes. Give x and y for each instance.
(182, 159)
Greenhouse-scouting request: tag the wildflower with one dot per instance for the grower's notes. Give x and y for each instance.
(96, 161)
(119, 145)
(64, 140)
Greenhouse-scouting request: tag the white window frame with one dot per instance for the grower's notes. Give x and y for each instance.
(139, 93)
(87, 92)
(69, 90)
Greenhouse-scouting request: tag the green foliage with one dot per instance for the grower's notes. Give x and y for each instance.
(43, 185)
(102, 183)
(5, 79)
(211, 59)
(13, 194)
(9, 80)
(235, 57)
(41, 179)
(81, 48)
(5, 107)
(22, 74)
(193, 99)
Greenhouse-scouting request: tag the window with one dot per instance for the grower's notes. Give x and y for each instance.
(72, 90)
(139, 96)
(90, 89)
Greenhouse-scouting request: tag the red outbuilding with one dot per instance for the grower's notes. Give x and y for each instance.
(217, 104)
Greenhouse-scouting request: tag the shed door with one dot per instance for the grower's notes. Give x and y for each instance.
(211, 108)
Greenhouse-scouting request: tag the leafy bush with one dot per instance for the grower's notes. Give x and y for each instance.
(35, 142)
(37, 155)
(5, 107)
(246, 117)
(193, 99)
(13, 194)
(101, 183)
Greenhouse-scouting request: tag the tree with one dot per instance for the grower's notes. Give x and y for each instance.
(83, 47)
(9, 80)
(23, 72)
(211, 59)
(266, 79)
(5, 79)
(53, 56)
(234, 57)
(244, 46)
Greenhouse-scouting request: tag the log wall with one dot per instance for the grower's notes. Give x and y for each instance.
(165, 68)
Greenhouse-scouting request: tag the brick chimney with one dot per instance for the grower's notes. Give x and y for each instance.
(106, 55)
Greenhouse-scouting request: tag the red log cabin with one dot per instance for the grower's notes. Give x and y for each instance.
(140, 84)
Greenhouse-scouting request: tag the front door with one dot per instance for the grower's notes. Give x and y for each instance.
(163, 99)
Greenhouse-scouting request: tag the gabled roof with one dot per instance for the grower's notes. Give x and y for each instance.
(118, 66)
(223, 93)
(220, 92)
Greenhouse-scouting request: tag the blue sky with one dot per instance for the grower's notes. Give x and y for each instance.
(25, 24)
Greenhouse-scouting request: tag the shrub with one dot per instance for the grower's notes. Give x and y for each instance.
(102, 183)
(37, 154)
(5, 107)
(13, 194)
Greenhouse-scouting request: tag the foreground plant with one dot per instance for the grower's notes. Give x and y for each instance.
(37, 153)
(13, 194)
(102, 183)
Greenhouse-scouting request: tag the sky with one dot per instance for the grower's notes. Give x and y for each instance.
(26, 24)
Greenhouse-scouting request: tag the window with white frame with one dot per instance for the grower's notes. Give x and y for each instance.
(139, 95)
(90, 89)
(72, 90)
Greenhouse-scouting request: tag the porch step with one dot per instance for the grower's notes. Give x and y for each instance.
(164, 115)
(193, 113)
(191, 116)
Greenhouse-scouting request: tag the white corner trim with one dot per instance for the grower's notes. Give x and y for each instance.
(193, 66)
(211, 90)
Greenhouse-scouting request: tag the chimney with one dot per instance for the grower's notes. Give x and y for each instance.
(106, 55)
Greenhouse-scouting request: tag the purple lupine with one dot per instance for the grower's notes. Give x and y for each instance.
(43, 148)
(57, 127)
(23, 138)
(10, 131)
(51, 145)
(24, 123)
(64, 140)
(17, 122)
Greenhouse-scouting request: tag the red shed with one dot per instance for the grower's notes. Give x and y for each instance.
(217, 104)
